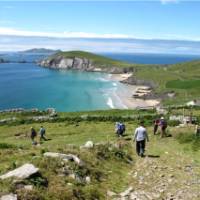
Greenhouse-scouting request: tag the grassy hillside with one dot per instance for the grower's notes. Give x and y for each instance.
(172, 167)
(183, 78)
(97, 59)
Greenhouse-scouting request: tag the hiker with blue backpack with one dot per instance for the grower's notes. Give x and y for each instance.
(140, 136)
(120, 129)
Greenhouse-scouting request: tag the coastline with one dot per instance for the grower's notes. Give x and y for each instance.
(124, 93)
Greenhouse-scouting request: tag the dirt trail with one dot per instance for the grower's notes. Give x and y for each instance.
(166, 178)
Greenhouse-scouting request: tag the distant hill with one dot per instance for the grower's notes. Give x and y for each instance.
(85, 61)
(95, 58)
(41, 51)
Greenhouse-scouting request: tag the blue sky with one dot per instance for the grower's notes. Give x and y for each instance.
(92, 21)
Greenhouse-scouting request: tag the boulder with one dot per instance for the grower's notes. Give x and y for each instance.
(64, 157)
(88, 145)
(9, 197)
(23, 172)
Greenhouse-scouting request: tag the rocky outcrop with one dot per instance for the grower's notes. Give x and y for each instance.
(83, 64)
(2, 60)
(135, 81)
(65, 157)
(22, 172)
(59, 62)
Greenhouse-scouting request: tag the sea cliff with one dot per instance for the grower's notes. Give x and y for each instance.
(85, 62)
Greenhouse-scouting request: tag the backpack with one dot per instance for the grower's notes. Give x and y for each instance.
(164, 123)
(122, 127)
(33, 133)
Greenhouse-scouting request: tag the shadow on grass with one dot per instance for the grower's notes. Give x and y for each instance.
(128, 139)
(153, 156)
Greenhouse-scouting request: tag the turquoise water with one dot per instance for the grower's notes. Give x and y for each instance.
(26, 85)
(29, 86)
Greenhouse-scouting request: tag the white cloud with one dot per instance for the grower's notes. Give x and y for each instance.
(16, 43)
(169, 1)
(5, 31)
(15, 32)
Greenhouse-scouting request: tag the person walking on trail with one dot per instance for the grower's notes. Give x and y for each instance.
(156, 124)
(140, 137)
(120, 129)
(163, 126)
(42, 133)
(197, 132)
(33, 136)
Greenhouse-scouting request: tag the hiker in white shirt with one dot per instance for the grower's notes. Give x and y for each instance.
(140, 137)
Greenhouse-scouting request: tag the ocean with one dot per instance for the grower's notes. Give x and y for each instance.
(26, 85)
(147, 58)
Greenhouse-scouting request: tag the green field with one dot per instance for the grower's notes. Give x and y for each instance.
(183, 84)
(112, 164)
(182, 78)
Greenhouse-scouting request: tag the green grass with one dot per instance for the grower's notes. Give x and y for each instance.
(190, 139)
(108, 165)
(183, 84)
(182, 78)
(63, 135)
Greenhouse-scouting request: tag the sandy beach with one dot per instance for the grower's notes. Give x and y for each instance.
(126, 92)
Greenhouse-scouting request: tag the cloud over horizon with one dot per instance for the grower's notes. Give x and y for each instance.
(8, 31)
(16, 32)
(117, 45)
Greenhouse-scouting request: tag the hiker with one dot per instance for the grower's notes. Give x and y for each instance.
(33, 136)
(156, 124)
(163, 126)
(42, 133)
(120, 129)
(140, 137)
(197, 132)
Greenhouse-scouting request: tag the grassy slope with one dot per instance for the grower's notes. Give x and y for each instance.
(102, 61)
(117, 175)
(183, 78)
